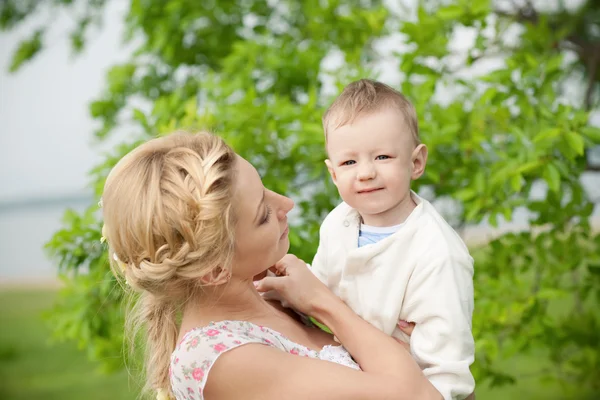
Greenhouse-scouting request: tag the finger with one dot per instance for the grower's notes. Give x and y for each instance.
(280, 268)
(271, 271)
(403, 343)
(289, 263)
(406, 327)
(270, 283)
(272, 295)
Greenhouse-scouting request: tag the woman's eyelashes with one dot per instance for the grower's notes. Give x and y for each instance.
(268, 211)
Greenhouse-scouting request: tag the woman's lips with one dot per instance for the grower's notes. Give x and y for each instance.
(285, 233)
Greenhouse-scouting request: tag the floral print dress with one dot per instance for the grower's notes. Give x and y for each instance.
(199, 349)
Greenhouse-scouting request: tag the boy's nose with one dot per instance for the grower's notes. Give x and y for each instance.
(366, 172)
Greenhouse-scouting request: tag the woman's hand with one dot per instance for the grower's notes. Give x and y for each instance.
(296, 284)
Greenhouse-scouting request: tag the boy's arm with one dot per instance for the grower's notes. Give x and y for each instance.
(440, 302)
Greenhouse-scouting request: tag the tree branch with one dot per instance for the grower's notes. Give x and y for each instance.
(588, 51)
(593, 168)
(592, 65)
(526, 13)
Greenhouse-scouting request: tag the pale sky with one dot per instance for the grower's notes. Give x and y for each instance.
(46, 141)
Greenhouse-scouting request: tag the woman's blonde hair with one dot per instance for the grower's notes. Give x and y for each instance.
(169, 221)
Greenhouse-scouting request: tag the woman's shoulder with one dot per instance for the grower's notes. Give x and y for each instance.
(199, 348)
(204, 344)
(219, 330)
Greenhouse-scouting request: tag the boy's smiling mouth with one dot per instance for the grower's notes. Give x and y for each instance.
(370, 190)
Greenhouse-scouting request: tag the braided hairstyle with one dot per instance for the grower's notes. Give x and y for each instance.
(169, 221)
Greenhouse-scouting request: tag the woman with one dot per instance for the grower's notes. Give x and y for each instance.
(189, 224)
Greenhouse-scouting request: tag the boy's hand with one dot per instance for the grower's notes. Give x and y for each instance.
(406, 327)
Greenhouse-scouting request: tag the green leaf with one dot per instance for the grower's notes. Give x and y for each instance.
(488, 95)
(554, 64)
(472, 213)
(451, 12)
(119, 77)
(507, 213)
(575, 142)
(480, 8)
(552, 177)
(546, 134)
(592, 133)
(465, 194)
(493, 220)
(531, 61)
(500, 75)
(516, 182)
(528, 167)
(27, 50)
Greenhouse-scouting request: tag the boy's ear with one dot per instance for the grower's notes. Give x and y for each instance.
(419, 160)
(331, 171)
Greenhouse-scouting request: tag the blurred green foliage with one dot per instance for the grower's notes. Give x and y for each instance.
(254, 71)
(34, 368)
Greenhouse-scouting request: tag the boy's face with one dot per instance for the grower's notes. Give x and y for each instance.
(372, 162)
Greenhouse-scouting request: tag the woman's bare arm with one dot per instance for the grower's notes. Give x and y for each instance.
(377, 353)
(255, 371)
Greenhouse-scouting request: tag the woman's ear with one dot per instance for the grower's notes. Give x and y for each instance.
(216, 277)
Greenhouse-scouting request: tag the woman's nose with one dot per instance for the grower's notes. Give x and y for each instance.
(285, 206)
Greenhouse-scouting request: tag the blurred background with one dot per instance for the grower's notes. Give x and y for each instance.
(507, 94)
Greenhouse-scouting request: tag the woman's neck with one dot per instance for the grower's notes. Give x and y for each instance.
(237, 300)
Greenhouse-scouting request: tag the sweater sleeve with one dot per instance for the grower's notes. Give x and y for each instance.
(440, 302)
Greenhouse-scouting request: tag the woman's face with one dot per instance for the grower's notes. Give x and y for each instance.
(262, 229)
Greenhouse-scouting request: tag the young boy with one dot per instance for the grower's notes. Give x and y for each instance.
(387, 252)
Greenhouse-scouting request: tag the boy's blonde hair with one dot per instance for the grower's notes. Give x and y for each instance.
(366, 96)
(169, 221)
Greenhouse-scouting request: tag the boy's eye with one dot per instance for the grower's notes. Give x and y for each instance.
(349, 162)
(382, 157)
